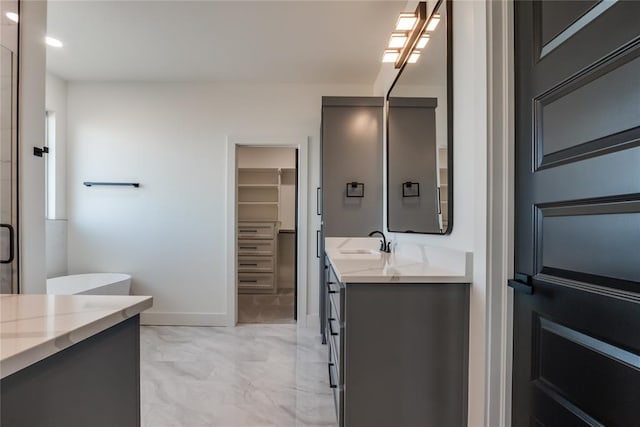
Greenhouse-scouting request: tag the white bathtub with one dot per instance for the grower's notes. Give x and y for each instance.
(90, 284)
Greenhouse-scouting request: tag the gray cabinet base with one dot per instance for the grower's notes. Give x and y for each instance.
(406, 355)
(95, 382)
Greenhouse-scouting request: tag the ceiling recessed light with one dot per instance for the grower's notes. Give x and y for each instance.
(53, 42)
(433, 22)
(390, 55)
(12, 16)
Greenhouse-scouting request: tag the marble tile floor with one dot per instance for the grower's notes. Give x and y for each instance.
(266, 308)
(254, 375)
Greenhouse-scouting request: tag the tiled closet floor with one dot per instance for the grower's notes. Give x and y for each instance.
(250, 375)
(266, 308)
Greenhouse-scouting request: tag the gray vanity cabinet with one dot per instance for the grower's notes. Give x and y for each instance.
(351, 156)
(398, 352)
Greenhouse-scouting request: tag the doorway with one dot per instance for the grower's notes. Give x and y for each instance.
(266, 259)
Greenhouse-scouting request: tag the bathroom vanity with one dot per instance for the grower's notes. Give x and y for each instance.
(397, 328)
(70, 360)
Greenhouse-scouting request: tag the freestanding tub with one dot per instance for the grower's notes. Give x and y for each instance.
(90, 284)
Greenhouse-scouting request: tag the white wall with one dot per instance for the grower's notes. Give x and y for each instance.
(56, 102)
(171, 137)
(56, 226)
(33, 22)
(470, 176)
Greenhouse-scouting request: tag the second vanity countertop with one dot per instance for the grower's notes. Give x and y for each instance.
(33, 327)
(358, 260)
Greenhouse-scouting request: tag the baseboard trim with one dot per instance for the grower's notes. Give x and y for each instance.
(183, 319)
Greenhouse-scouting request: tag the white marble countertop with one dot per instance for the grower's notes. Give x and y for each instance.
(358, 260)
(33, 327)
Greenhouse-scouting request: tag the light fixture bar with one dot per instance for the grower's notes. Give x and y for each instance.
(416, 31)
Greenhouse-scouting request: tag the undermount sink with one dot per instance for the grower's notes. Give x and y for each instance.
(359, 252)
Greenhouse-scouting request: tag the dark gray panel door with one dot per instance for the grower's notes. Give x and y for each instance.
(577, 260)
(351, 152)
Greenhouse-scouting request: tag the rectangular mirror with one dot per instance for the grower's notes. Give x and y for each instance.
(419, 135)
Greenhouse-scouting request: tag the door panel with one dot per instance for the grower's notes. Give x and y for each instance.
(576, 340)
(557, 17)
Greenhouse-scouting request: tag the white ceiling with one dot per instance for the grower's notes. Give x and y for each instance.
(220, 41)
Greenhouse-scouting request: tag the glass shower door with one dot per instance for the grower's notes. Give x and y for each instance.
(8, 173)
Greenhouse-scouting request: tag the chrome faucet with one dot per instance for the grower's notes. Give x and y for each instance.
(384, 246)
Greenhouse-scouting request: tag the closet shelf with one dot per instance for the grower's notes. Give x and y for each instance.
(258, 185)
(257, 203)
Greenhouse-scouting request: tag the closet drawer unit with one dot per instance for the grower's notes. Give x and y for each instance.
(255, 281)
(249, 264)
(255, 247)
(256, 230)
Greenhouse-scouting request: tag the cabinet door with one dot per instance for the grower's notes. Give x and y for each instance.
(351, 152)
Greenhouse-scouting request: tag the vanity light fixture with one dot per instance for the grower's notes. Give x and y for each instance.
(433, 22)
(406, 21)
(411, 36)
(422, 42)
(398, 40)
(53, 42)
(409, 28)
(12, 16)
(391, 55)
(413, 58)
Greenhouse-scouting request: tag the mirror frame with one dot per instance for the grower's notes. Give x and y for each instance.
(449, 50)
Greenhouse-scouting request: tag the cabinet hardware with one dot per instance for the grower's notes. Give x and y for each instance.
(355, 189)
(248, 231)
(248, 247)
(9, 260)
(243, 264)
(248, 281)
(331, 384)
(38, 152)
(335, 334)
(521, 284)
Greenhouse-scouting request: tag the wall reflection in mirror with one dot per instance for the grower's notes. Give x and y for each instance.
(419, 137)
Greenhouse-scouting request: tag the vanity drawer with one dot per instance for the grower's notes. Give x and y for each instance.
(335, 290)
(256, 230)
(336, 347)
(255, 281)
(255, 247)
(338, 393)
(249, 264)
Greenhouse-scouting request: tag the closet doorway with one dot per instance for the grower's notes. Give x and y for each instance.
(266, 234)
